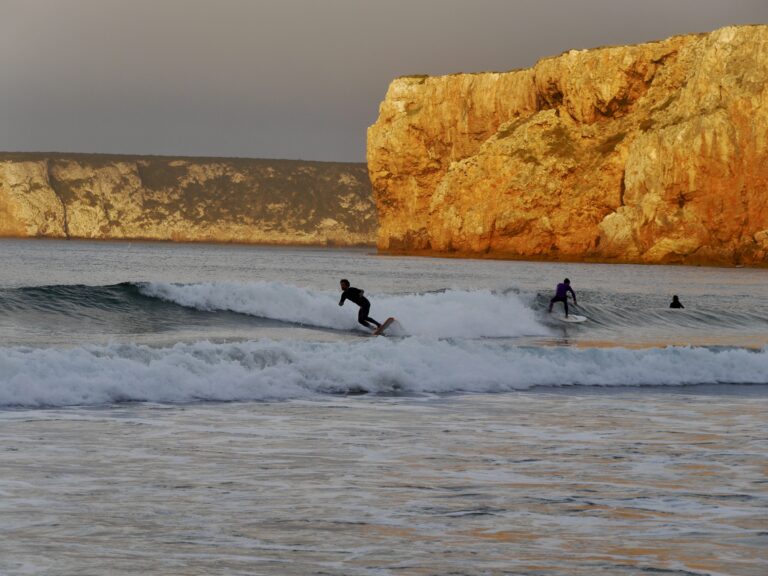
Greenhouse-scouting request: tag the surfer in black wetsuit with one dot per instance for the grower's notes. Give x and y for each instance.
(356, 295)
(676, 302)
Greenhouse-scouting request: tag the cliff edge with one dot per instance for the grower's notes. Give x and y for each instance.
(185, 199)
(649, 153)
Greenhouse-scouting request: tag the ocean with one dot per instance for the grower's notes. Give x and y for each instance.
(210, 409)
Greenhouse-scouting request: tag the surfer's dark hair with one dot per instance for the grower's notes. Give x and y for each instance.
(343, 281)
(567, 281)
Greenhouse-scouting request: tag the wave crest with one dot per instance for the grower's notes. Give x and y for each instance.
(269, 370)
(445, 314)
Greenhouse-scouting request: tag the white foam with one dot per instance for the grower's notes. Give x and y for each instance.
(272, 300)
(448, 314)
(264, 370)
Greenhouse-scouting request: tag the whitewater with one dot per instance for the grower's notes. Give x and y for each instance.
(443, 314)
(205, 409)
(270, 370)
(445, 341)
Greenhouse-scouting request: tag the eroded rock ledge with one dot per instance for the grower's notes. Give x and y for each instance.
(649, 153)
(185, 199)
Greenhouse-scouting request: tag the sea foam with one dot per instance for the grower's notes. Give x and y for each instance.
(444, 314)
(273, 370)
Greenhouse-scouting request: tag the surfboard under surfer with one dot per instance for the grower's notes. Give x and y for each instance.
(561, 295)
(356, 295)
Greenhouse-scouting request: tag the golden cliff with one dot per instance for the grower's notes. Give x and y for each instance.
(648, 153)
(185, 199)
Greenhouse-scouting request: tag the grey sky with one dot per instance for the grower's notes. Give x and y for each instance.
(279, 78)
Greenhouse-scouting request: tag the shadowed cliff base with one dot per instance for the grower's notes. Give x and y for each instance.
(250, 201)
(655, 153)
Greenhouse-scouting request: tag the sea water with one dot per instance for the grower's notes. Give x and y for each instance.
(208, 409)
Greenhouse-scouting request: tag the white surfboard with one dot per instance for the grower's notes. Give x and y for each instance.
(573, 318)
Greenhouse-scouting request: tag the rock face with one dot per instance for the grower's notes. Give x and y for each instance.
(185, 199)
(648, 153)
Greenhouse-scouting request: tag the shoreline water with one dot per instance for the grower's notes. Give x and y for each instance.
(543, 483)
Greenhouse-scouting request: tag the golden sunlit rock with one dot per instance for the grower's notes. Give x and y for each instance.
(648, 153)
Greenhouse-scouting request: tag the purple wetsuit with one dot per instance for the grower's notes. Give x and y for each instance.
(562, 290)
(561, 295)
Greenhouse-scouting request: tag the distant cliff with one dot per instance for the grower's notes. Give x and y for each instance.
(185, 199)
(649, 153)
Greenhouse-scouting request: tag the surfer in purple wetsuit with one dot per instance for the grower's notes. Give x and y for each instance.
(356, 295)
(561, 295)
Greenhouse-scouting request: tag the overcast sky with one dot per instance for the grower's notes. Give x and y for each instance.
(279, 78)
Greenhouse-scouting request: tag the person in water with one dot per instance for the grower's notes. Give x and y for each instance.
(356, 295)
(561, 295)
(676, 302)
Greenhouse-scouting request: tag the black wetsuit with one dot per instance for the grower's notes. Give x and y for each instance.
(356, 295)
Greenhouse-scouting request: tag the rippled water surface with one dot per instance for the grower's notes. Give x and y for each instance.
(195, 410)
(531, 483)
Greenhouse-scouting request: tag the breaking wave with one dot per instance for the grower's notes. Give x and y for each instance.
(270, 370)
(444, 314)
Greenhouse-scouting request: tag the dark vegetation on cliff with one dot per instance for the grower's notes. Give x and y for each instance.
(185, 198)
